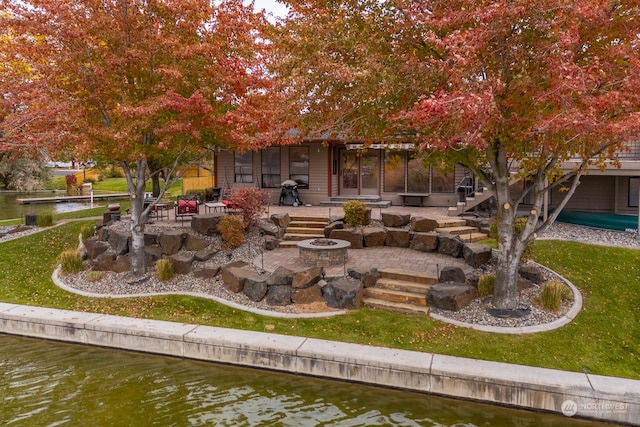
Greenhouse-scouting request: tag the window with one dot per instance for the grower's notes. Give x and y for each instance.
(394, 171)
(442, 181)
(418, 174)
(634, 188)
(299, 166)
(243, 167)
(271, 167)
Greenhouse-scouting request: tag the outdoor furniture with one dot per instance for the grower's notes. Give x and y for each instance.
(213, 194)
(410, 198)
(187, 206)
(215, 207)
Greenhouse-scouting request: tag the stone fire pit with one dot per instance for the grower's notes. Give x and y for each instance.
(323, 252)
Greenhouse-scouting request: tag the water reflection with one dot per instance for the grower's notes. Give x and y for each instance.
(52, 384)
(10, 208)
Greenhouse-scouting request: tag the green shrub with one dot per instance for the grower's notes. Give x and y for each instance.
(250, 201)
(71, 262)
(87, 231)
(553, 294)
(164, 269)
(486, 284)
(94, 276)
(231, 228)
(355, 213)
(44, 219)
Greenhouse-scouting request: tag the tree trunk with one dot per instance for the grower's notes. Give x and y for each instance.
(505, 294)
(138, 215)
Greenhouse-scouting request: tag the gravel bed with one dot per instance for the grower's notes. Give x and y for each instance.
(122, 284)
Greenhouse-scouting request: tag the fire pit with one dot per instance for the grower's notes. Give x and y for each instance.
(323, 252)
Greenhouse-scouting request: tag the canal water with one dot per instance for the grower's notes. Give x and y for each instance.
(45, 383)
(11, 209)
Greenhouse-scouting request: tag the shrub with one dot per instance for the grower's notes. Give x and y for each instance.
(164, 269)
(44, 219)
(486, 284)
(553, 294)
(355, 212)
(231, 228)
(71, 262)
(87, 231)
(250, 201)
(94, 276)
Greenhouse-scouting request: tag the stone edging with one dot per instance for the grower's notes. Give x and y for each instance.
(567, 318)
(571, 393)
(271, 313)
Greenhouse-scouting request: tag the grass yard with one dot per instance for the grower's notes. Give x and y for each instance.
(604, 339)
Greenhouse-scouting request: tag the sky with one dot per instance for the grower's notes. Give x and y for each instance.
(271, 6)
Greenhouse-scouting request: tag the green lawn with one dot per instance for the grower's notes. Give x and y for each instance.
(603, 339)
(116, 185)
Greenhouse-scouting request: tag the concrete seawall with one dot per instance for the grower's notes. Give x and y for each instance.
(576, 394)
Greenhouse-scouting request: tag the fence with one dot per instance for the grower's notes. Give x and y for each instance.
(192, 184)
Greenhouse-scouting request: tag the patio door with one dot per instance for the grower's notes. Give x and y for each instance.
(360, 172)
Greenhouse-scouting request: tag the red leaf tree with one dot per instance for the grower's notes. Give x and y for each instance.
(133, 82)
(510, 89)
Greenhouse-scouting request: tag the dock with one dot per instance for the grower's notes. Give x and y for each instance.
(78, 198)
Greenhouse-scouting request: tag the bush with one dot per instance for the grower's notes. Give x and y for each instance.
(486, 284)
(250, 201)
(87, 231)
(231, 228)
(355, 213)
(94, 276)
(553, 294)
(44, 219)
(164, 269)
(71, 262)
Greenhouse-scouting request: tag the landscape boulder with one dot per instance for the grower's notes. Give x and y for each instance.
(476, 254)
(206, 272)
(182, 262)
(335, 225)
(310, 295)
(423, 225)
(368, 277)
(424, 242)
(122, 264)
(193, 243)
(255, 288)
(170, 241)
(397, 237)
(206, 224)
(206, 254)
(533, 273)
(351, 235)
(374, 236)
(451, 274)
(395, 219)
(235, 274)
(307, 277)
(279, 295)
(281, 220)
(95, 247)
(119, 242)
(450, 244)
(343, 293)
(451, 296)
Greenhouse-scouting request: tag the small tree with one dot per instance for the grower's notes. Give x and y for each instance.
(250, 201)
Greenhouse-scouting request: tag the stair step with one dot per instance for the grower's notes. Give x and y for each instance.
(409, 276)
(451, 222)
(297, 236)
(308, 224)
(404, 285)
(304, 230)
(369, 204)
(298, 218)
(395, 306)
(396, 296)
(474, 237)
(458, 230)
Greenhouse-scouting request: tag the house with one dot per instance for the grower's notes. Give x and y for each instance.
(332, 171)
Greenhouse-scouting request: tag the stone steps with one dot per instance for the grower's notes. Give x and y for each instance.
(400, 291)
(303, 228)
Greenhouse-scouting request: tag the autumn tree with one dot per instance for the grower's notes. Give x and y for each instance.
(160, 82)
(511, 89)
